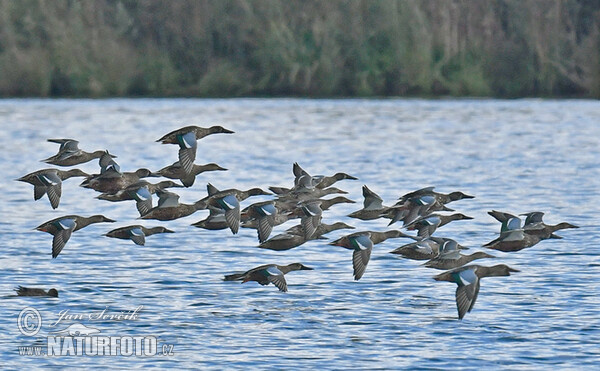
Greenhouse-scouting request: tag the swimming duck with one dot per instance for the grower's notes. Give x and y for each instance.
(187, 138)
(467, 278)
(428, 224)
(141, 192)
(112, 181)
(69, 153)
(265, 274)
(362, 244)
(426, 249)
(61, 228)
(372, 206)
(176, 171)
(169, 208)
(450, 257)
(294, 236)
(32, 291)
(136, 233)
(49, 181)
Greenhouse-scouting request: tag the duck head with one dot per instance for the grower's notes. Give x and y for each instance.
(454, 196)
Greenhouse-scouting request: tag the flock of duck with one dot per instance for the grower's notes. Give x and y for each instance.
(418, 211)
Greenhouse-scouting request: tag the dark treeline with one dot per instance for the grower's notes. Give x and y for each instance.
(504, 48)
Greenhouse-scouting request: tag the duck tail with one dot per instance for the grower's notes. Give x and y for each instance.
(234, 277)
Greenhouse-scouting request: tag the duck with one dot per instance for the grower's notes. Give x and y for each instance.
(373, 207)
(422, 202)
(535, 225)
(519, 239)
(176, 171)
(294, 236)
(467, 278)
(426, 225)
(291, 206)
(186, 138)
(414, 208)
(286, 195)
(362, 244)
(450, 257)
(280, 218)
(426, 249)
(69, 153)
(303, 179)
(229, 202)
(141, 192)
(49, 181)
(62, 227)
(33, 291)
(269, 273)
(113, 182)
(136, 233)
(265, 214)
(439, 197)
(169, 208)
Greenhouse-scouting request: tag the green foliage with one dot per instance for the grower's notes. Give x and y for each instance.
(504, 48)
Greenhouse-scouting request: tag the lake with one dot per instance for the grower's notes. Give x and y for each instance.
(514, 156)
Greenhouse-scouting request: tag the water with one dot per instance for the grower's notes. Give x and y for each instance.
(514, 156)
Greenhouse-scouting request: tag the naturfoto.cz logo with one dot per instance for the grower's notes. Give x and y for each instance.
(78, 339)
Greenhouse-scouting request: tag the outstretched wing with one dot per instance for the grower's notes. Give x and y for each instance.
(187, 151)
(360, 259)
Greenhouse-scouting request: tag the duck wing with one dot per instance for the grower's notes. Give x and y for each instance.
(187, 151)
(137, 236)
(276, 277)
(360, 259)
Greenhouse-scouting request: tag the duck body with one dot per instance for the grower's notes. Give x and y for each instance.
(468, 280)
(186, 138)
(176, 171)
(69, 153)
(49, 181)
(111, 182)
(62, 228)
(454, 259)
(373, 207)
(269, 273)
(426, 225)
(425, 249)
(294, 236)
(136, 233)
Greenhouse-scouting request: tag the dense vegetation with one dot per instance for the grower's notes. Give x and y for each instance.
(504, 48)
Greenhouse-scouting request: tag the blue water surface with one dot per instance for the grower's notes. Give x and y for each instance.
(515, 156)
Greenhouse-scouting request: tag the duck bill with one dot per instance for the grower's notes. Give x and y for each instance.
(305, 268)
(513, 270)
